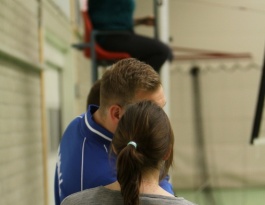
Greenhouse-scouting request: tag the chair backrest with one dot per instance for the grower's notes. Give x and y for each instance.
(100, 52)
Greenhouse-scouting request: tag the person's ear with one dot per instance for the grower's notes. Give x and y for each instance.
(115, 113)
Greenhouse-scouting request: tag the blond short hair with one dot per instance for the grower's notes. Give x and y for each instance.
(124, 80)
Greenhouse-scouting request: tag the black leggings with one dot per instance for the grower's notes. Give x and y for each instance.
(148, 50)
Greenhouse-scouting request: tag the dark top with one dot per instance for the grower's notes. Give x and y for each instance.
(111, 14)
(101, 195)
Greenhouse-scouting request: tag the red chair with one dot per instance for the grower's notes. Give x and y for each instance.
(92, 50)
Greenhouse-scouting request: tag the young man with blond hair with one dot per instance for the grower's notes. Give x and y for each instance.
(83, 155)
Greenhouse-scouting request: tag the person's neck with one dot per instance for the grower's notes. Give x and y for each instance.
(149, 185)
(102, 120)
(151, 177)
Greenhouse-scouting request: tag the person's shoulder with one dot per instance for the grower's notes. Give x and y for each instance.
(182, 201)
(81, 197)
(77, 119)
(161, 199)
(94, 196)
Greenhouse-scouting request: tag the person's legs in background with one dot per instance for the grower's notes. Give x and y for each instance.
(148, 50)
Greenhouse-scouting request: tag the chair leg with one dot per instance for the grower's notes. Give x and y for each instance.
(93, 59)
(94, 68)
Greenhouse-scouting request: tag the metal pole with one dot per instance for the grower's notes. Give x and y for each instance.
(43, 107)
(259, 107)
(200, 138)
(93, 58)
(156, 3)
(165, 70)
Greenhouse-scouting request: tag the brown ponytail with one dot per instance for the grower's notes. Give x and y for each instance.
(129, 174)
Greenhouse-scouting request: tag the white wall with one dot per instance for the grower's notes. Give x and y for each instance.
(219, 26)
(227, 97)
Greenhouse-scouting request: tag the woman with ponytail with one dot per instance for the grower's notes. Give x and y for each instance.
(143, 144)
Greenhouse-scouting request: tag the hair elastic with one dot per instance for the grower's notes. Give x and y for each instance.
(132, 143)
